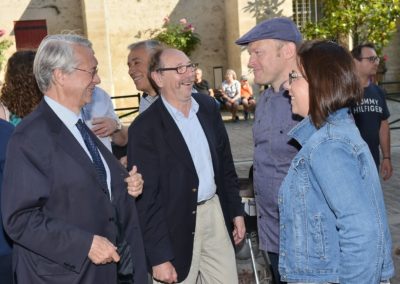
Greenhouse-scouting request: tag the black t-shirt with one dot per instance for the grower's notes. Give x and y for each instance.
(202, 87)
(368, 116)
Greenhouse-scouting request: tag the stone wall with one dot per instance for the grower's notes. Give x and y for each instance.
(60, 15)
(123, 21)
(113, 24)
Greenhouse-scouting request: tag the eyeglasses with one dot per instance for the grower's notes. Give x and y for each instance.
(293, 76)
(180, 69)
(92, 73)
(371, 59)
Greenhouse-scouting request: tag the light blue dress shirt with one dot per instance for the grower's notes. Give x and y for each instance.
(199, 149)
(100, 106)
(69, 118)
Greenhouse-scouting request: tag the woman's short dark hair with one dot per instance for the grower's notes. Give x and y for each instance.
(330, 72)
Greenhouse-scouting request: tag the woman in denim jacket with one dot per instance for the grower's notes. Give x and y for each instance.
(333, 220)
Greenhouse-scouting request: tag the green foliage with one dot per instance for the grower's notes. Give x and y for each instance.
(4, 45)
(180, 36)
(364, 20)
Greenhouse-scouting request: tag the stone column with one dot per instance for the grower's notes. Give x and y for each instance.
(237, 23)
(95, 22)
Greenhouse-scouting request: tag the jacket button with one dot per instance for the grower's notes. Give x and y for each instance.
(193, 212)
(193, 233)
(194, 189)
(111, 219)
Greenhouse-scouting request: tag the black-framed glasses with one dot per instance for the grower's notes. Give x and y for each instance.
(182, 69)
(371, 59)
(293, 76)
(92, 73)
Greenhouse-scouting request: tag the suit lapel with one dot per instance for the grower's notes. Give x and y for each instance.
(174, 137)
(68, 143)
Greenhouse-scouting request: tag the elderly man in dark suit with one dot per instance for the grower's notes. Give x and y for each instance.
(64, 199)
(182, 148)
(6, 130)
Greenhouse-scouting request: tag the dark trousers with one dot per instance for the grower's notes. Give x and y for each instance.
(273, 260)
(5, 269)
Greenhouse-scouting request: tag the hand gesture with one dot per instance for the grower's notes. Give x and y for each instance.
(102, 251)
(165, 272)
(135, 182)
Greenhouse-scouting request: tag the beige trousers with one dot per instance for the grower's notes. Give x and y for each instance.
(213, 259)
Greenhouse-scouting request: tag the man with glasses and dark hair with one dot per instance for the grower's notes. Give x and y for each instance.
(190, 203)
(372, 114)
(64, 201)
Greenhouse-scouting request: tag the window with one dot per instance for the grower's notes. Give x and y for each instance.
(306, 11)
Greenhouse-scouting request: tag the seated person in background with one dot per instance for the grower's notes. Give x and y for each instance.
(231, 93)
(246, 93)
(100, 117)
(20, 93)
(202, 86)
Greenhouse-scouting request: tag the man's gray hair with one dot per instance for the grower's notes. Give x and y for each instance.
(56, 52)
(150, 45)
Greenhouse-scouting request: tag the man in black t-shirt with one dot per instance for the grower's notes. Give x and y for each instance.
(202, 86)
(371, 115)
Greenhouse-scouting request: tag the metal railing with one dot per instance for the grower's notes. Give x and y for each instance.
(131, 110)
(392, 89)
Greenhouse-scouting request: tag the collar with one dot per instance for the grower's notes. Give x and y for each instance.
(305, 128)
(177, 114)
(68, 117)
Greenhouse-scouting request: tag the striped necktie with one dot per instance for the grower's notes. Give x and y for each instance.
(94, 152)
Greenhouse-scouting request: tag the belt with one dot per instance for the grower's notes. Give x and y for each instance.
(203, 201)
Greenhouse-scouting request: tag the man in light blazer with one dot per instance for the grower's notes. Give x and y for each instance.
(190, 203)
(64, 201)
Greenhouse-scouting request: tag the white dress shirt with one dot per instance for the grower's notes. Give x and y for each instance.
(69, 118)
(199, 149)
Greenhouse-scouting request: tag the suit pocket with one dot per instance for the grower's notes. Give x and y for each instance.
(47, 267)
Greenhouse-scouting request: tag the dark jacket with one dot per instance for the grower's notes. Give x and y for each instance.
(53, 204)
(167, 207)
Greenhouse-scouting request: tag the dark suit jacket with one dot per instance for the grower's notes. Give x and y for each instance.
(167, 207)
(53, 204)
(6, 130)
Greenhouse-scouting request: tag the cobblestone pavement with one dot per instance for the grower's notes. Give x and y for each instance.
(240, 136)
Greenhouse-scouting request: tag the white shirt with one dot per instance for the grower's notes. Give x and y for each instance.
(100, 106)
(69, 118)
(199, 149)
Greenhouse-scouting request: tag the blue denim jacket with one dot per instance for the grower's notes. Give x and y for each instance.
(333, 220)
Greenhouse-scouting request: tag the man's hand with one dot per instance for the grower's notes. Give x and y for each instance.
(386, 169)
(104, 126)
(135, 182)
(239, 229)
(102, 251)
(124, 161)
(165, 272)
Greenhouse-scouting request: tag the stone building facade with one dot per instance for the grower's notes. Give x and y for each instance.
(112, 25)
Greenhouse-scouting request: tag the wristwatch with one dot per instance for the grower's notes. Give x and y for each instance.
(119, 125)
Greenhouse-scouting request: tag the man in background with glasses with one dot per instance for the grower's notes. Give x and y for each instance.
(182, 148)
(372, 114)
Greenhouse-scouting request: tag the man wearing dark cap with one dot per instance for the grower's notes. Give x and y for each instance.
(272, 48)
